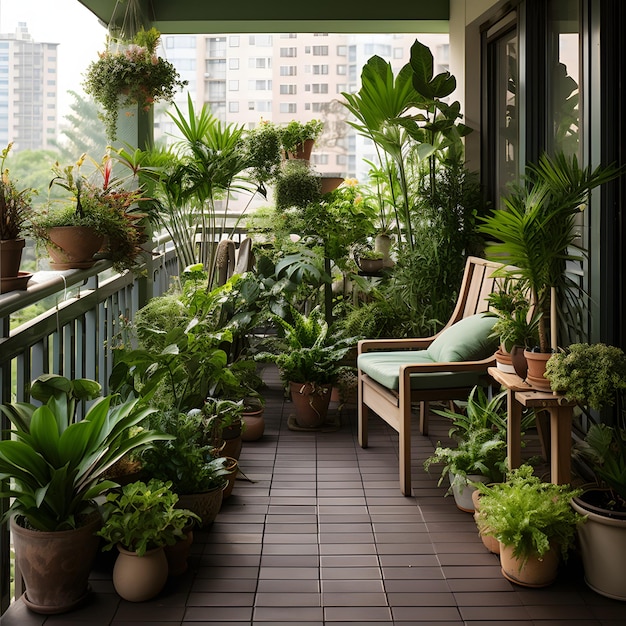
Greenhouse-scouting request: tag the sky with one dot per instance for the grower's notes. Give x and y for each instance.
(67, 22)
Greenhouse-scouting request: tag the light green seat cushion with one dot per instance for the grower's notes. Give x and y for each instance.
(467, 340)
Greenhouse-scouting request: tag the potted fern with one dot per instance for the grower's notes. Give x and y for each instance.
(298, 138)
(308, 355)
(534, 523)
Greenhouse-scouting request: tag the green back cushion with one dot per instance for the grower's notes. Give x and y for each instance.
(467, 340)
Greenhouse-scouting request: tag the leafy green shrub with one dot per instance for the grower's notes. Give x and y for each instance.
(142, 517)
(528, 514)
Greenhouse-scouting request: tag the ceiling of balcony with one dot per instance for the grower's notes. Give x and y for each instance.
(201, 16)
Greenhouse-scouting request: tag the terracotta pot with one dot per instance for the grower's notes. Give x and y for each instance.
(489, 541)
(536, 369)
(330, 183)
(206, 504)
(303, 150)
(504, 362)
(73, 247)
(15, 283)
(11, 256)
(310, 403)
(534, 572)
(139, 578)
(255, 424)
(602, 542)
(178, 553)
(371, 266)
(55, 565)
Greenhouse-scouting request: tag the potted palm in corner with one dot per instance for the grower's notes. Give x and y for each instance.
(53, 468)
(594, 375)
(534, 236)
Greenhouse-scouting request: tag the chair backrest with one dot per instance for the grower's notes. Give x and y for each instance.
(478, 282)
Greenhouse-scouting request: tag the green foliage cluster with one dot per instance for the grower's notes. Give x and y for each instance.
(295, 133)
(186, 459)
(15, 204)
(310, 351)
(528, 514)
(143, 516)
(297, 185)
(133, 74)
(55, 461)
(591, 374)
(482, 452)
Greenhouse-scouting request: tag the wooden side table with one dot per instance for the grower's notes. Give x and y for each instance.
(521, 394)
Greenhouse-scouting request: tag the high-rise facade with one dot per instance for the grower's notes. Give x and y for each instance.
(245, 78)
(28, 91)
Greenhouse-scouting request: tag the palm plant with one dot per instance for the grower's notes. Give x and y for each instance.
(535, 233)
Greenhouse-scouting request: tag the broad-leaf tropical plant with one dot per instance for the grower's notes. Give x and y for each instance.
(54, 461)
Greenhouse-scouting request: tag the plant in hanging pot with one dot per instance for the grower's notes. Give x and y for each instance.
(141, 520)
(54, 466)
(15, 213)
(594, 375)
(131, 74)
(308, 355)
(534, 523)
(535, 236)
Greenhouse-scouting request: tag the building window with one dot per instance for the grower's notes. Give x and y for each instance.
(288, 107)
(289, 52)
(233, 107)
(342, 70)
(288, 70)
(260, 85)
(320, 88)
(260, 63)
(320, 69)
(288, 89)
(233, 85)
(233, 64)
(320, 51)
(262, 41)
(342, 51)
(233, 41)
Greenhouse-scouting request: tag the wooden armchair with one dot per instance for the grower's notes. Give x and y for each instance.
(394, 374)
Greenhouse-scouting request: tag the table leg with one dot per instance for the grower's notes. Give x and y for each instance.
(561, 444)
(513, 431)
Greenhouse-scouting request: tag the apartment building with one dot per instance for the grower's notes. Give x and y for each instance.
(245, 78)
(28, 91)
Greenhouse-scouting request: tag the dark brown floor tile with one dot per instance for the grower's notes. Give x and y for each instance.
(350, 573)
(352, 586)
(220, 585)
(425, 613)
(283, 599)
(289, 586)
(290, 560)
(420, 598)
(499, 614)
(287, 573)
(225, 598)
(416, 586)
(353, 560)
(218, 614)
(409, 560)
(356, 614)
(412, 573)
(552, 612)
(281, 615)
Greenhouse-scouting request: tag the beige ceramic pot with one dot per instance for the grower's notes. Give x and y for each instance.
(139, 578)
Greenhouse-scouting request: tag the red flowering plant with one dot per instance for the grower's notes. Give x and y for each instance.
(99, 202)
(131, 74)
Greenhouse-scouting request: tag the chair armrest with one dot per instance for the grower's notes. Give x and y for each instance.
(368, 345)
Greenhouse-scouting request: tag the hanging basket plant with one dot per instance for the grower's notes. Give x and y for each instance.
(129, 74)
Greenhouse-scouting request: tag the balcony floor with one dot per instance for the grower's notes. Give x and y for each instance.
(320, 535)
